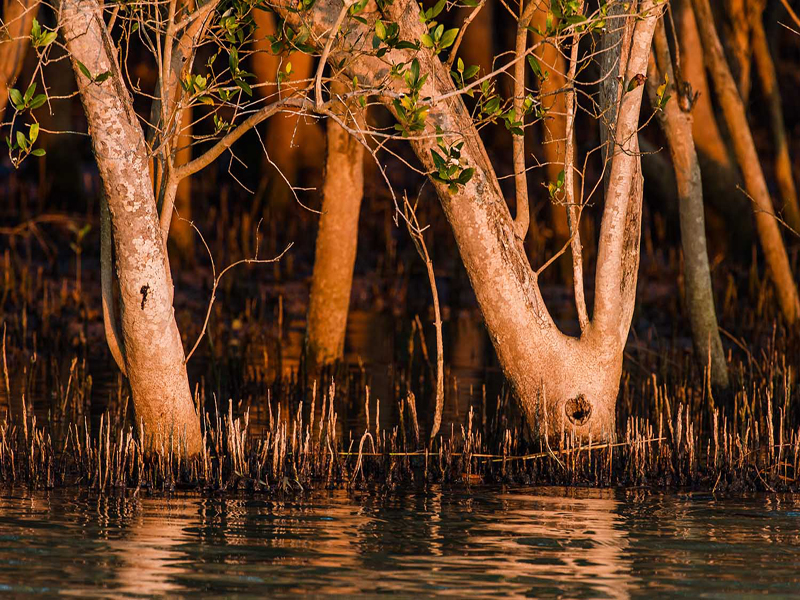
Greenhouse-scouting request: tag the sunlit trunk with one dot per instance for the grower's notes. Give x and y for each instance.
(562, 383)
(291, 140)
(769, 84)
(720, 173)
(151, 351)
(749, 163)
(337, 241)
(15, 38)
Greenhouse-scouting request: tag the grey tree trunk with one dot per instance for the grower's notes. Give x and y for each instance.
(151, 345)
(677, 127)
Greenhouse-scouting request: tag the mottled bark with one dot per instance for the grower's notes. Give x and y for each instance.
(769, 84)
(15, 35)
(337, 241)
(153, 352)
(677, 127)
(747, 157)
(562, 383)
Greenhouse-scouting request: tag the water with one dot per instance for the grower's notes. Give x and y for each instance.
(481, 543)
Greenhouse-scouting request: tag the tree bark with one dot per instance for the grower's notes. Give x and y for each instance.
(337, 241)
(677, 128)
(562, 383)
(153, 352)
(554, 125)
(181, 234)
(769, 84)
(15, 38)
(720, 173)
(292, 141)
(747, 157)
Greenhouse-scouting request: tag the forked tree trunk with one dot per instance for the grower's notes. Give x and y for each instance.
(337, 241)
(151, 347)
(15, 38)
(562, 383)
(772, 93)
(747, 157)
(677, 127)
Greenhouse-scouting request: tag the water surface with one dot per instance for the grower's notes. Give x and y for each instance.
(481, 542)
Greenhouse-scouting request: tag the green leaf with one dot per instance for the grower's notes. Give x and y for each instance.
(426, 40)
(102, 77)
(448, 38)
(38, 101)
(466, 175)
(380, 29)
(29, 93)
(536, 67)
(560, 179)
(438, 8)
(16, 98)
(84, 70)
(48, 38)
(36, 30)
(244, 86)
(33, 133)
(21, 141)
(38, 152)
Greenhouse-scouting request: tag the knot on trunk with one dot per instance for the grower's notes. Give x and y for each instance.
(578, 410)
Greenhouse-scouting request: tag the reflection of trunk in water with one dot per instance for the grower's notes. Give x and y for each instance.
(151, 548)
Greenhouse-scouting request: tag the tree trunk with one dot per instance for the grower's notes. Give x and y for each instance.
(720, 173)
(562, 383)
(15, 38)
(337, 241)
(747, 157)
(554, 125)
(677, 127)
(291, 141)
(769, 84)
(152, 348)
(181, 234)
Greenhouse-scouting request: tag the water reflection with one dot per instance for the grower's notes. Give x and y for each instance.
(534, 542)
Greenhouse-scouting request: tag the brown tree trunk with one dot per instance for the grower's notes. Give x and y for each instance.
(562, 383)
(337, 241)
(747, 157)
(151, 345)
(554, 125)
(292, 141)
(15, 38)
(772, 93)
(181, 234)
(677, 127)
(720, 173)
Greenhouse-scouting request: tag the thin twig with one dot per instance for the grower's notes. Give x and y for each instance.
(217, 278)
(573, 212)
(461, 33)
(419, 243)
(327, 50)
